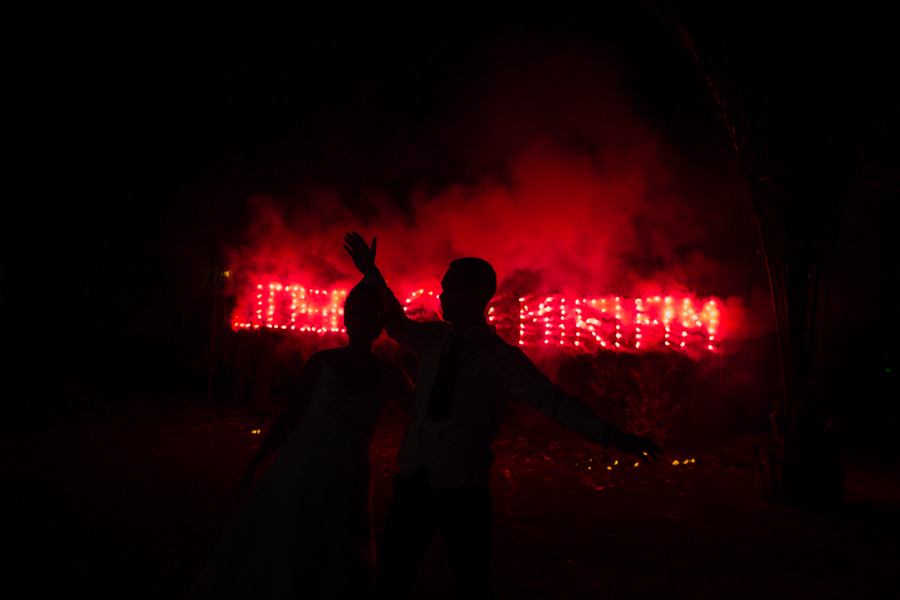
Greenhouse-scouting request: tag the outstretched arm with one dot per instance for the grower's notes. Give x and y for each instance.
(636, 445)
(523, 380)
(286, 422)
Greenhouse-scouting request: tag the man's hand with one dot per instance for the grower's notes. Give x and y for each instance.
(363, 256)
(246, 481)
(636, 445)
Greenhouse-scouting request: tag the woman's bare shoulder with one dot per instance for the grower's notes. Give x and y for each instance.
(325, 357)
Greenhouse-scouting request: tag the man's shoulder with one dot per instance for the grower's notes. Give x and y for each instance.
(502, 348)
(432, 329)
(442, 326)
(492, 337)
(426, 333)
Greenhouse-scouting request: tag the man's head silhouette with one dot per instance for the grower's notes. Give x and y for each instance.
(468, 286)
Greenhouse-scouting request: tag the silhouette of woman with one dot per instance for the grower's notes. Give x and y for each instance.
(305, 529)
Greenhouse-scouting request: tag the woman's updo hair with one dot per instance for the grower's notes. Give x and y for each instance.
(366, 295)
(366, 306)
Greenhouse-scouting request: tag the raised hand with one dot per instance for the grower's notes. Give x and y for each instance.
(636, 445)
(363, 256)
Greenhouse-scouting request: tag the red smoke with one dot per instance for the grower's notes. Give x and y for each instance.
(576, 196)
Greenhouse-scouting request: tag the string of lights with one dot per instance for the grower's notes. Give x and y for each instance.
(610, 322)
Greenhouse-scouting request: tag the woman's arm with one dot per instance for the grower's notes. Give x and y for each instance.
(402, 390)
(286, 422)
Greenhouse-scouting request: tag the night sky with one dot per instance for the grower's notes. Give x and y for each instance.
(144, 144)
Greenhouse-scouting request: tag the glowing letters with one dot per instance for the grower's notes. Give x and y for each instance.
(609, 322)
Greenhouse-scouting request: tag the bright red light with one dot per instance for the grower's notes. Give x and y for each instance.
(647, 323)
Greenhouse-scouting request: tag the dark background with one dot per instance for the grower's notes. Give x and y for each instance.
(135, 139)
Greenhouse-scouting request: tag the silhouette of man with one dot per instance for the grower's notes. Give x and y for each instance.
(467, 375)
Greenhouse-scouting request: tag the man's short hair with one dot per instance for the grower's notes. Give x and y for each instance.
(480, 274)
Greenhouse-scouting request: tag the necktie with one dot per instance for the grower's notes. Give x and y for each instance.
(445, 381)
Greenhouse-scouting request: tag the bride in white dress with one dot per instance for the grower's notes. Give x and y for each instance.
(305, 529)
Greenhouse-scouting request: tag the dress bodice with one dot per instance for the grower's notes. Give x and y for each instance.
(357, 411)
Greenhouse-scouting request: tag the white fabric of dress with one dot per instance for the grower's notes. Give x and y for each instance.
(305, 528)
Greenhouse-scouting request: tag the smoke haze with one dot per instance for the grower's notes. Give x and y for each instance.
(563, 179)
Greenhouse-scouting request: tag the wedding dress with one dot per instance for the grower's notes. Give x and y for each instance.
(305, 528)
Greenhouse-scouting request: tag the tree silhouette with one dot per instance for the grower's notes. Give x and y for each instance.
(789, 89)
